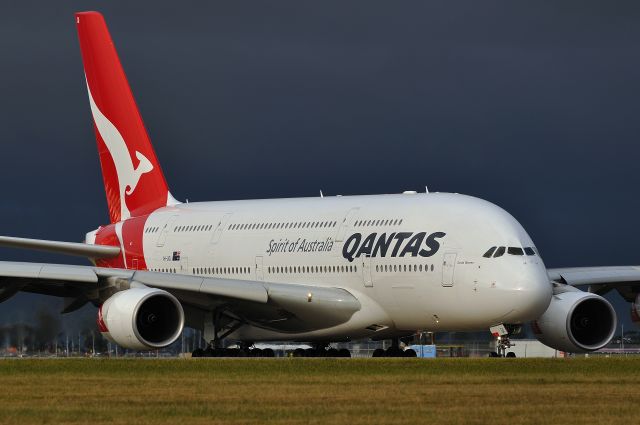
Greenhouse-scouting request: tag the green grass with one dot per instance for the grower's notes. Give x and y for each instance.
(322, 391)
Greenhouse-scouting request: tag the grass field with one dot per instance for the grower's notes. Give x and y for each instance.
(296, 391)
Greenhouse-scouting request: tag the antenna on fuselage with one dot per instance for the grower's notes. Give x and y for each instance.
(426, 189)
(321, 195)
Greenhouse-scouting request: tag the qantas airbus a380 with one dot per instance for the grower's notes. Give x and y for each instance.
(315, 270)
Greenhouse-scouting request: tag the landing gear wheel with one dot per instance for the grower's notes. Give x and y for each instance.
(343, 352)
(198, 352)
(494, 354)
(332, 352)
(268, 352)
(378, 352)
(299, 352)
(393, 352)
(256, 352)
(209, 352)
(410, 352)
(511, 354)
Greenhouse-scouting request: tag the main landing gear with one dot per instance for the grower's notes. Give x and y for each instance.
(233, 352)
(394, 351)
(321, 350)
(217, 326)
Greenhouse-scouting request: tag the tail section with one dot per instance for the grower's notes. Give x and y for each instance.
(133, 180)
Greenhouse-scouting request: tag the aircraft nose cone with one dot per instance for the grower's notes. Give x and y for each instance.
(533, 296)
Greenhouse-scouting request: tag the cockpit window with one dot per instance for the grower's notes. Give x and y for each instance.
(490, 252)
(515, 250)
(511, 250)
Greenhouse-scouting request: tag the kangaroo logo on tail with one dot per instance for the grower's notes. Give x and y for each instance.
(128, 174)
(124, 147)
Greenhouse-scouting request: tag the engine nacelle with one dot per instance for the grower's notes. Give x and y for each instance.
(576, 322)
(635, 311)
(141, 318)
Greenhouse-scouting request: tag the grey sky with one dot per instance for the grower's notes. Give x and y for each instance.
(531, 105)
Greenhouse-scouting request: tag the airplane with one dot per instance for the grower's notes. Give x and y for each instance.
(317, 270)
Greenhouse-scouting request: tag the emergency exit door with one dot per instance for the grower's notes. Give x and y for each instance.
(366, 271)
(259, 268)
(448, 268)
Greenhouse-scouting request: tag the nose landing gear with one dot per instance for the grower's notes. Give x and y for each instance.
(502, 333)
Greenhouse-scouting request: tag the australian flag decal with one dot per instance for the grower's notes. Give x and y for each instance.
(176, 256)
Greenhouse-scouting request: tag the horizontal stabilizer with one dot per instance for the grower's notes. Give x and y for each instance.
(66, 248)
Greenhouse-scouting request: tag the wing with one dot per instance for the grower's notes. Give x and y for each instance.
(66, 248)
(275, 306)
(600, 280)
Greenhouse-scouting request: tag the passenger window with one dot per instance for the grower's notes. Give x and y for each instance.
(529, 251)
(489, 253)
(514, 250)
(499, 252)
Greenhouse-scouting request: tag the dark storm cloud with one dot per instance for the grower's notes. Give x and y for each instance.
(531, 105)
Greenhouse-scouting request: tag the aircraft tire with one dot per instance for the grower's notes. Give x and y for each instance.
(343, 352)
(268, 352)
(332, 352)
(393, 352)
(410, 352)
(378, 352)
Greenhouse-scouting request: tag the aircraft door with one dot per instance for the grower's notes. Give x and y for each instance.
(346, 224)
(259, 268)
(366, 271)
(165, 230)
(448, 268)
(217, 234)
(184, 265)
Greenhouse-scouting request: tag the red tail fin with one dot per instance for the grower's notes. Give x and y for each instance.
(133, 180)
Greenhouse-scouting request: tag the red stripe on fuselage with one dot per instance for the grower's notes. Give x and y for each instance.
(132, 244)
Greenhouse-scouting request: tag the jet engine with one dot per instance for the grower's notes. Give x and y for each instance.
(576, 322)
(141, 318)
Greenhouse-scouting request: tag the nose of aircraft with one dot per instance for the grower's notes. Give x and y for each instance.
(532, 293)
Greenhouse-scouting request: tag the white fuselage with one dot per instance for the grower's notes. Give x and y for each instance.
(427, 273)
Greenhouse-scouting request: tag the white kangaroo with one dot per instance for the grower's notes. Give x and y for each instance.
(128, 176)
